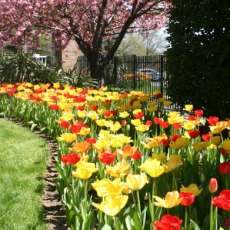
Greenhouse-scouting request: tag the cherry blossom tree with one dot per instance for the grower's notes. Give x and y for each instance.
(91, 23)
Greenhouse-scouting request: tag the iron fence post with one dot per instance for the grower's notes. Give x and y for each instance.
(134, 71)
(162, 74)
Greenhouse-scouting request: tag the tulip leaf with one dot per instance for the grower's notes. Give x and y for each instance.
(137, 221)
(106, 227)
(128, 222)
(193, 225)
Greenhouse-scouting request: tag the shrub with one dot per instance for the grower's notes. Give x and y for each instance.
(21, 67)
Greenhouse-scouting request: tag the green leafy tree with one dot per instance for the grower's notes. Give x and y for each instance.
(133, 44)
(199, 57)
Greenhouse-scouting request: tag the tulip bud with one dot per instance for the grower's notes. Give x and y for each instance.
(213, 185)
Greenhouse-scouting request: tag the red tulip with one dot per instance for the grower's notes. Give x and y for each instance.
(212, 120)
(193, 133)
(175, 137)
(158, 95)
(213, 185)
(139, 115)
(206, 137)
(136, 156)
(91, 140)
(64, 124)
(156, 120)
(80, 98)
(70, 158)
(223, 152)
(187, 198)
(76, 128)
(94, 107)
(176, 126)
(165, 142)
(164, 124)
(148, 123)
(224, 168)
(107, 157)
(168, 222)
(191, 117)
(223, 200)
(108, 114)
(198, 112)
(11, 92)
(80, 107)
(54, 107)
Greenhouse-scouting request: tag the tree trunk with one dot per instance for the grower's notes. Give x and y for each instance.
(97, 71)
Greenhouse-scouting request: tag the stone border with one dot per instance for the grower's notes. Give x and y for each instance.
(54, 211)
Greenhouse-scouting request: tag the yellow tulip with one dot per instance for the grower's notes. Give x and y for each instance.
(114, 127)
(142, 128)
(84, 131)
(136, 105)
(119, 140)
(193, 188)
(136, 122)
(219, 127)
(159, 156)
(112, 205)
(226, 146)
(152, 167)
(135, 111)
(67, 116)
(136, 182)
(123, 114)
(212, 146)
(121, 169)
(92, 115)
(189, 125)
(154, 142)
(101, 122)
(84, 170)
(173, 162)
(56, 85)
(172, 199)
(180, 143)
(67, 137)
(81, 114)
(200, 145)
(152, 107)
(188, 108)
(106, 187)
(175, 117)
(167, 103)
(216, 140)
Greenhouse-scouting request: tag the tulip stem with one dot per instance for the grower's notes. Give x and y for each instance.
(86, 189)
(215, 218)
(186, 218)
(153, 193)
(211, 215)
(134, 199)
(138, 202)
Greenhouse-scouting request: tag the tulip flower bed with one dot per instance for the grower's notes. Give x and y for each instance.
(124, 163)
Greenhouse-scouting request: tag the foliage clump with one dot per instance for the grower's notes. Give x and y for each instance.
(199, 57)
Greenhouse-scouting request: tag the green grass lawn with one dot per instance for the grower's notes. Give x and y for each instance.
(23, 158)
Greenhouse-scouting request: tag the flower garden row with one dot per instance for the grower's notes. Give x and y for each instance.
(123, 163)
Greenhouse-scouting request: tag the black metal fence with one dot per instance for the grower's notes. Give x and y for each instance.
(145, 73)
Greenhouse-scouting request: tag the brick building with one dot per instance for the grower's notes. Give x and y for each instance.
(69, 55)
